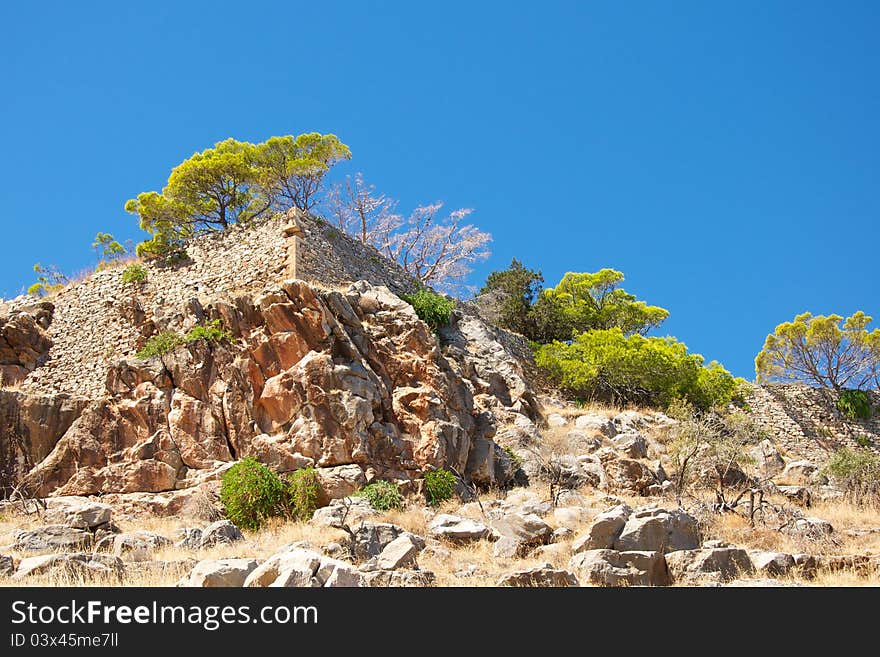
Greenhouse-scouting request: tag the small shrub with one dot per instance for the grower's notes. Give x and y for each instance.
(855, 404)
(432, 308)
(251, 493)
(303, 489)
(159, 344)
(439, 486)
(858, 474)
(383, 495)
(515, 458)
(213, 332)
(863, 441)
(134, 274)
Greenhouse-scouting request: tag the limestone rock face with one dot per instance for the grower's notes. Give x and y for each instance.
(352, 383)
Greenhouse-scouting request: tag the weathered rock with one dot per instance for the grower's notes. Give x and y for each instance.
(800, 495)
(659, 530)
(52, 537)
(524, 502)
(813, 529)
(222, 531)
(219, 573)
(596, 424)
(631, 444)
(525, 531)
(76, 512)
(570, 516)
(339, 482)
(799, 473)
(71, 567)
(768, 460)
(613, 568)
(353, 509)
(772, 564)
(627, 421)
(303, 568)
(399, 578)
(189, 538)
(629, 475)
(720, 564)
(455, 528)
(400, 553)
(371, 538)
(7, 565)
(540, 576)
(556, 420)
(604, 531)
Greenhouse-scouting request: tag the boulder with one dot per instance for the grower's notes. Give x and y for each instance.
(400, 553)
(189, 538)
(371, 538)
(399, 578)
(613, 568)
(540, 576)
(303, 568)
(353, 509)
(627, 421)
(339, 482)
(222, 531)
(220, 573)
(71, 568)
(768, 460)
(524, 530)
(800, 495)
(76, 512)
(595, 424)
(772, 564)
(556, 420)
(799, 473)
(628, 475)
(812, 529)
(718, 564)
(604, 531)
(7, 565)
(52, 538)
(653, 529)
(457, 529)
(570, 516)
(631, 444)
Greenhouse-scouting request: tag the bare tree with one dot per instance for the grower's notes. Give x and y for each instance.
(438, 251)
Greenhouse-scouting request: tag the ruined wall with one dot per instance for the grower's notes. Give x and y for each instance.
(805, 420)
(94, 320)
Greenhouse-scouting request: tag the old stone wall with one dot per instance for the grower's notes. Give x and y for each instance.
(94, 320)
(805, 420)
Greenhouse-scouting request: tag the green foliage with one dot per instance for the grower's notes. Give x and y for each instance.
(515, 458)
(432, 308)
(213, 332)
(383, 495)
(855, 404)
(863, 441)
(160, 344)
(819, 350)
(511, 293)
(251, 493)
(49, 281)
(610, 366)
(303, 490)
(108, 250)
(231, 182)
(134, 274)
(858, 474)
(439, 486)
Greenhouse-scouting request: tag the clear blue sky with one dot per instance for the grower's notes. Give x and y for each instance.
(724, 156)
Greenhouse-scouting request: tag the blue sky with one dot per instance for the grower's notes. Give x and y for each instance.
(724, 156)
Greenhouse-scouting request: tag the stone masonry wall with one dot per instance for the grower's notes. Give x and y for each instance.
(94, 320)
(805, 420)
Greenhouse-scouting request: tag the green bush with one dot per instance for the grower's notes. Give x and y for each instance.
(433, 309)
(610, 366)
(303, 490)
(134, 274)
(251, 493)
(439, 486)
(160, 344)
(855, 404)
(213, 332)
(515, 458)
(858, 474)
(863, 441)
(383, 495)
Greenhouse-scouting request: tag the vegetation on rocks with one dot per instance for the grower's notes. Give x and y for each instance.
(439, 486)
(432, 308)
(108, 249)
(212, 332)
(49, 281)
(162, 343)
(858, 473)
(303, 491)
(855, 404)
(134, 274)
(251, 493)
(383, 495)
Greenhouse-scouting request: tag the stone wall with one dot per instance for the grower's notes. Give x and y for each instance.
(94, 320)
(805, 420)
